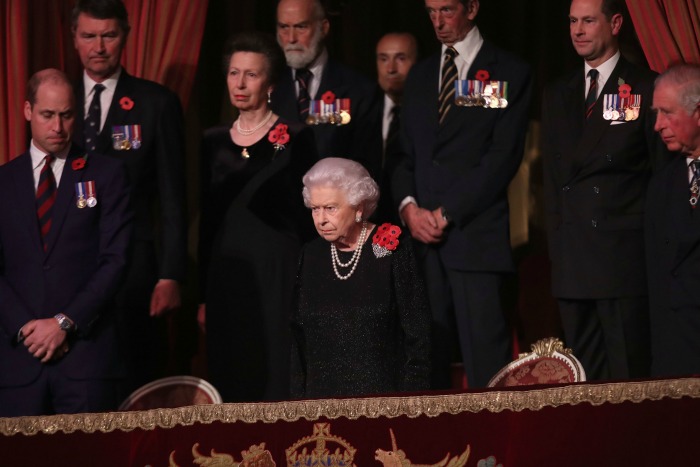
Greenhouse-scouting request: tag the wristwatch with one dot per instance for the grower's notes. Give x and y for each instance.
(64, 322)
(445, 217)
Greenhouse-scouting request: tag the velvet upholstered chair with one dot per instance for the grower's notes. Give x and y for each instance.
(170, 392)
(548, 363)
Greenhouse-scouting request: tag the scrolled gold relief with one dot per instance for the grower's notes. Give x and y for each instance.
(389, 407)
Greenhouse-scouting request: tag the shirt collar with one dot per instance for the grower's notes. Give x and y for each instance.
(605, 69)
(110, 83)
(38, 155)
(316, 67)
(468, 47)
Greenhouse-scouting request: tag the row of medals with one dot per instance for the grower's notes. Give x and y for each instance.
(124, 144)
(623, 115)
(622, 110)
(333, 118)
(482, 100)
(82, 202)
(481, 94)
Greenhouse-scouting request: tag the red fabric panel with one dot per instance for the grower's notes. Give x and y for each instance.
(649, 433)
(165, 41)
(13, 78)
(668, 30)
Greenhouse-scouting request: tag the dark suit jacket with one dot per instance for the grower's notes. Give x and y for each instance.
(78, 275)
(466, 164)
(331, 140)
(595, 181)
(672, 234)
(382, 172)
(156, 172)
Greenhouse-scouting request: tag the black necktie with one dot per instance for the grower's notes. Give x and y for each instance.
(93, 119)
(303, 77)
(45, 197)
(447, 83)
(392, 135)
(592, 92)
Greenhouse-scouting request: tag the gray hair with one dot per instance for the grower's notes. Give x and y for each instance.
(686, 77)
(349, 176)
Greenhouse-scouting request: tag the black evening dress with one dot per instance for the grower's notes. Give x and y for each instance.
(253, 223)
(369, 334)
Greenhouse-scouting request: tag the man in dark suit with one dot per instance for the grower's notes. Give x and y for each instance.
(452, 186)
(396, 53)
(596, 171)
(672, 227)
(140, 122)
(302, 28)
(64, 233)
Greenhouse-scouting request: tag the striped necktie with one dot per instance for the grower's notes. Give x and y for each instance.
(45, 197)
(447, 83)
(303, 77)
(592, 95)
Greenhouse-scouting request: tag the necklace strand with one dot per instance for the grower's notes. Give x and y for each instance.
(255, 128)
(355, 256)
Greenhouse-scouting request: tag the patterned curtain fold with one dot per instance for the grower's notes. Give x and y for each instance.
(668, 30)
(163, 46)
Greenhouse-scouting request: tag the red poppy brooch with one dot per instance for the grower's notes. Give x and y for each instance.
(79, 162)
(126, 103)
(328, 97)
(278, 136)
(625, 90)
(482, 75)
(385, 240)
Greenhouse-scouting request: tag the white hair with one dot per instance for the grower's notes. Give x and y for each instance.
(349, 176)
(686, 77)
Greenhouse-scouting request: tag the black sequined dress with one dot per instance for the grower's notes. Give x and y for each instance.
(368, 334)
(253, 223)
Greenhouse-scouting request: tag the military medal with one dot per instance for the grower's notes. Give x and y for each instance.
(344, 111)
(80, 193)
(91, 199)
(117, 139)
(136, 136)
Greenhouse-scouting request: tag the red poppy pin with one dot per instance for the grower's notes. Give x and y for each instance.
(126, 103)
(385, 240)
(79, 162)
(328, 97)
(624, 90)
(278, 136)
(482, 75)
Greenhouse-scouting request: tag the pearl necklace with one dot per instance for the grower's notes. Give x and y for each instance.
(255, 128)
(335, 260)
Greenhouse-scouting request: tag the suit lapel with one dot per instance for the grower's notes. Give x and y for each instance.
(596, 126)
(116, 113)
(284, 97)
(26, 200)
(64, 196)
(684, 218)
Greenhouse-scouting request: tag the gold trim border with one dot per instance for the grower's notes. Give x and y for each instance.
(389, 407)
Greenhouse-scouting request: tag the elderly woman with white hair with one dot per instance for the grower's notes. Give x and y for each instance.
(362, 324)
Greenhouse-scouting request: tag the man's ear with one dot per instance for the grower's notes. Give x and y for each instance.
(616, 23)
(27, 111)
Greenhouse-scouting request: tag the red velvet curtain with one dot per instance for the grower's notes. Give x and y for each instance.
(163, 46)
(13, 76)
(668, 30)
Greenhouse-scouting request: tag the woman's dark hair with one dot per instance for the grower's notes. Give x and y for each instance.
(261, 43)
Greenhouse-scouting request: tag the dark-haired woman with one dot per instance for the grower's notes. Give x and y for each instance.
(253, 222)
